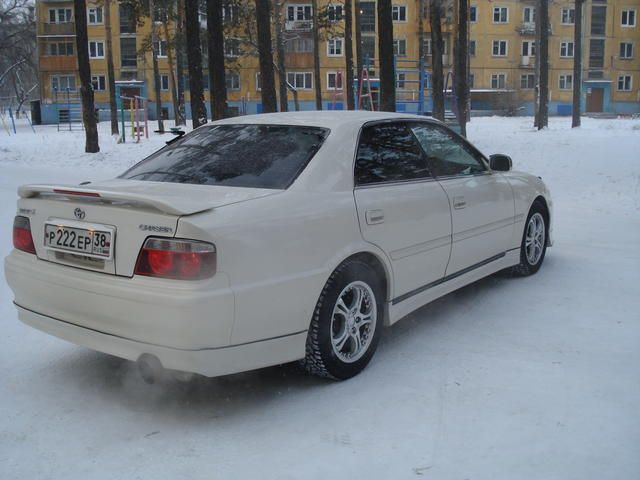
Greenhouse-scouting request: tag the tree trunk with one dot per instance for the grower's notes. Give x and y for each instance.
(111, 76)
(280, 50)
(359, 59)
(543, 53)
(387, 67)
(180, 113)
(437, 81)
(155, 43)
(461, 76)
(577, 64)
(421, 52)
(217, 75)
(348, 53)
(194, 59)
(317, 85)
(172, 76)
(268, 91)
(84, 70)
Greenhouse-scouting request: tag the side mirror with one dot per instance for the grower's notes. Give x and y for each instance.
(500, 162)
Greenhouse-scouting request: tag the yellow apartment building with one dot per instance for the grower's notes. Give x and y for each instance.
(502, 62)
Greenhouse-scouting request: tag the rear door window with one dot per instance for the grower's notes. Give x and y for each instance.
(256, 156)
(388, 152)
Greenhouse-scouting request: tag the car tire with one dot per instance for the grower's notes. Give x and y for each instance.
(534, 242)
(347, 322)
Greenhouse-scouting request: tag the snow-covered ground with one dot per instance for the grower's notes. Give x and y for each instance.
(535, 378)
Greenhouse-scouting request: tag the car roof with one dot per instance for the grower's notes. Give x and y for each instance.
(325, 119)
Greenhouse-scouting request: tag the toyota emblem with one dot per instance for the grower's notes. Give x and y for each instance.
(79, 213)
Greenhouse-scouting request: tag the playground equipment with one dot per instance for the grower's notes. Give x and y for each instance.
(68, 110)
(138, 114)
(8, 111)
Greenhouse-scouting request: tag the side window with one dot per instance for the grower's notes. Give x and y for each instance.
(447, 154)
(388, 152)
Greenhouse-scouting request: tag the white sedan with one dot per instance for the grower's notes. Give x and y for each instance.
(260, 240)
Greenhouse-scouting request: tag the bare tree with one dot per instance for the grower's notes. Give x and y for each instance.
(461, 76)
(316, 54)
(542, 46)
(437, 47)
(385, 47)
(168, 7)
(280, 51)
(111, 76)
(359, 56)
(155, 44)
(194, 59)
(217, 75)
(348, 52)
(577, 63)
(268, 90)
(84, 70)
(179, 42)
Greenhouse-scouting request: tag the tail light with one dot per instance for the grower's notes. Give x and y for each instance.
(176, 259)
(22, 239)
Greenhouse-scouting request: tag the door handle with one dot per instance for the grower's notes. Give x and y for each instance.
(459, 202)
(374, 216)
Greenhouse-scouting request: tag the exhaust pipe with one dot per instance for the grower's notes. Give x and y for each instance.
(150, 368)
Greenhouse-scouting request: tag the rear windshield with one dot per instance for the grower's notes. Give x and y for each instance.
(256, 156)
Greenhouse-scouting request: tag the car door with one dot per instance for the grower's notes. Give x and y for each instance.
(401, 208)
(482, 205)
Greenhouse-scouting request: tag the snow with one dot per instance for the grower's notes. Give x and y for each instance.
(507, 379)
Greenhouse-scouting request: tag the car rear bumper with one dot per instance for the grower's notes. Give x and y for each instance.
(210, 362)
(187, 325)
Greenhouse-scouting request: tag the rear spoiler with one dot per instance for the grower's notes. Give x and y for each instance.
(79, 193)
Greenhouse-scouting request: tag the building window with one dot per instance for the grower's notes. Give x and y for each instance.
(565, 82)
(500, 14)
(258, 82)
(499, 48)
(499, 80)
(299, 45)
(528, 48)
(230, 13)
(529, 14)
(96, 49)
(94, 15)
(473, 13)
(299, 12)
(426, 46)
(527, 81)
(335, 47)
(231, 47)
(566, 50)
(400, 47)
(164, 83)
(300, 80)
(99, 83)
(128, 52)
(472, 48)
(63, 83)
(399, 13)
(232, 81)
(334, 12)
(60, 15)
(367, 17)
(472, 79)
(161, 48)
(60, 49)
(628, 18)
(626, 50)
(334, 81)
(568, 16)
(624, 83)
(401, 79)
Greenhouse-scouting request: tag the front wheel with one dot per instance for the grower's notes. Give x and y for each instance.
(534, 242)
(346, 324)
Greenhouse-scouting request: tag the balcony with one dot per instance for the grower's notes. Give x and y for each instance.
(58, 63)
(527, 28)
(298, 25)
(67, 28)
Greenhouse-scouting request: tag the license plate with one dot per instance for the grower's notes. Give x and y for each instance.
(91, 242)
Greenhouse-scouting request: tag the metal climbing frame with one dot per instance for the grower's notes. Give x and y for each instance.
(68, 110)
